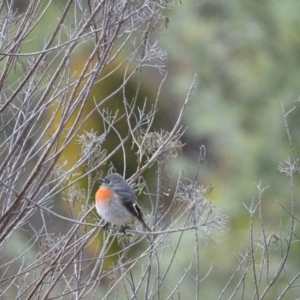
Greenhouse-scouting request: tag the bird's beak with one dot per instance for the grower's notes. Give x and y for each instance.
(101, 181)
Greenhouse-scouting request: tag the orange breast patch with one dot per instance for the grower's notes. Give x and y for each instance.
(103, 195)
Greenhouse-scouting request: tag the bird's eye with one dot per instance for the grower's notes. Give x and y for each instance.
(107, 181)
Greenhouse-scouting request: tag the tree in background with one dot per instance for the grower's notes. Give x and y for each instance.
(246, 56)
(73, 107)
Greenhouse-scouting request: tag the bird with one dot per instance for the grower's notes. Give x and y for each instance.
(116, 202)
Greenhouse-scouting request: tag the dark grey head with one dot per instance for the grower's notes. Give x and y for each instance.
(113, 181)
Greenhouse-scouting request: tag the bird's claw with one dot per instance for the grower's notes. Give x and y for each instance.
(122, 229)
(105, 226)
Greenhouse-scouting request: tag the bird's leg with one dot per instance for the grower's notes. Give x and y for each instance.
(105, 226)
(122, 229)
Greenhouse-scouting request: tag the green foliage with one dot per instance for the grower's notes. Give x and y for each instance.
(246, 55)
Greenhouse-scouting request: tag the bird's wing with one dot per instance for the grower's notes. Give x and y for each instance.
(129, 200)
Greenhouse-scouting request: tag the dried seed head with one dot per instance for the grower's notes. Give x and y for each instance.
(201, 211)
(190, 193)
(152, 141)
(90, 148)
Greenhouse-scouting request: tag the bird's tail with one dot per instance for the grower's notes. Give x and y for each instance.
(146, 227)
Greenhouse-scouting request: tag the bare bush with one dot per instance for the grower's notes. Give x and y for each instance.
(265, 270)
(44, 251)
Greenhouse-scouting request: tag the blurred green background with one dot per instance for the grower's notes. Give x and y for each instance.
(247, 58)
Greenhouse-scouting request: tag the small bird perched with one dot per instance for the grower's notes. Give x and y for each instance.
(116, 202)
